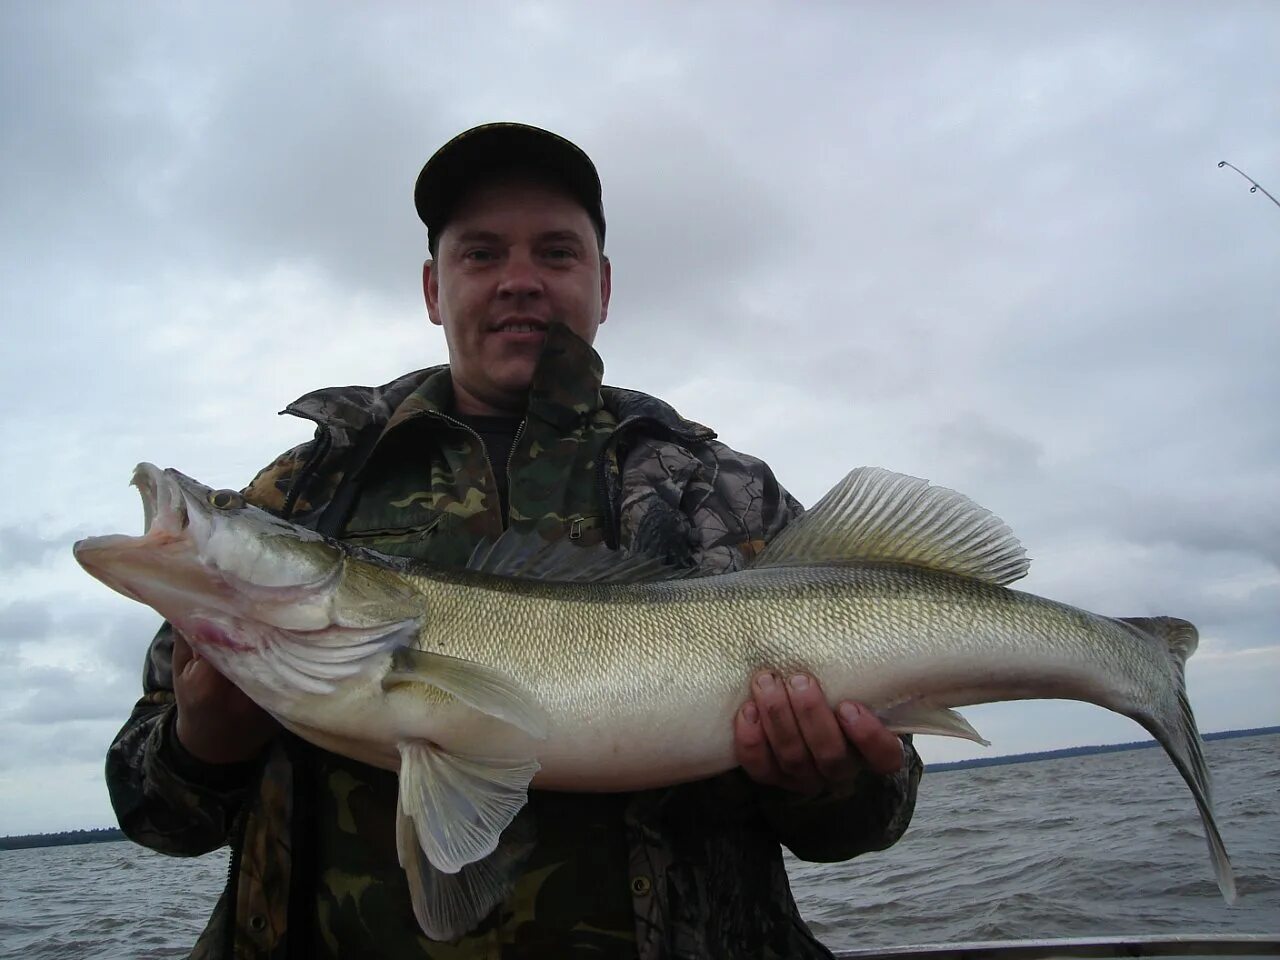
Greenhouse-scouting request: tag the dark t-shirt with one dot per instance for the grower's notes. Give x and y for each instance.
(499, 436)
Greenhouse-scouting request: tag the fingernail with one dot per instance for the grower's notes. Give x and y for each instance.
(750, 713)
(849, 713)
(800, 682)
(765, 681)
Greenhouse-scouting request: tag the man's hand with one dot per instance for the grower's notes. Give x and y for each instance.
(216, 722)
(786, 736)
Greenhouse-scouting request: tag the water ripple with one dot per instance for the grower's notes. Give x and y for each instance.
(1108, 845)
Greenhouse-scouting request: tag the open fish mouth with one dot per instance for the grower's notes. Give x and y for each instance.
(119, 559)
(164, 505)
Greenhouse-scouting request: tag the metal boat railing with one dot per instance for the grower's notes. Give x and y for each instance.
(1184, 947)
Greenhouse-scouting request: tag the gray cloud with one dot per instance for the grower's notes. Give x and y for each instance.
(1210, 523)
(24, 620)
(48, 692)
(34, 748)
(20, 546)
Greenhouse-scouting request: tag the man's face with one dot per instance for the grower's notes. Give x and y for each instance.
(515, 256)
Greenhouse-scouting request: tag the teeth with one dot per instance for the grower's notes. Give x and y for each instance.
(521, 327)
(164, 508)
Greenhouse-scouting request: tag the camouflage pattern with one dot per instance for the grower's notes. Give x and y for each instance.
(427, 490)
(688, 871)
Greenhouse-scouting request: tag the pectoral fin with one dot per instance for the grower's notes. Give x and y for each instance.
(459, 805)
(918, 716)
(483, 688)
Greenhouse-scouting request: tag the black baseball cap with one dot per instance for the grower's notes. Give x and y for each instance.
(499, 148)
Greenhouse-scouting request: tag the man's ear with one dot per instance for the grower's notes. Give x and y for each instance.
(431, 291)
(606, 286)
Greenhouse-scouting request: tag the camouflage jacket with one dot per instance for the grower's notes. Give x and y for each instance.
(707, 877)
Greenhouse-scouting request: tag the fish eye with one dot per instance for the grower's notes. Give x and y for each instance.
(226, 499)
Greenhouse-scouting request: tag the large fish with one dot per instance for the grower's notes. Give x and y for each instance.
(582, 669)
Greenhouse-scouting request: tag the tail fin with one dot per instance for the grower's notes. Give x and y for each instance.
(1174, 727)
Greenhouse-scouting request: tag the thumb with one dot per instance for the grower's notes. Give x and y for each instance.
(181, 653)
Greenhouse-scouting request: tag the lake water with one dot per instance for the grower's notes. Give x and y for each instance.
(1104, 845)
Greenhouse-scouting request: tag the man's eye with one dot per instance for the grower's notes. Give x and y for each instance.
(479, 255)
(561, 253)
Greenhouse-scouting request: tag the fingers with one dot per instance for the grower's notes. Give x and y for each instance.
(878, 746)
(181, 655)
(822, 735)
(782, 731)
(788, 736)
(751, 746)
(215, 722)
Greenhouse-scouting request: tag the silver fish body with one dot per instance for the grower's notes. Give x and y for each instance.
(648, 674)
(580, 670)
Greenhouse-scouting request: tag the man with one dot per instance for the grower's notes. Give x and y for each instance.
(518, 432)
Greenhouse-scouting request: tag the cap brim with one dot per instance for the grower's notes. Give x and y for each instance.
(495, 148)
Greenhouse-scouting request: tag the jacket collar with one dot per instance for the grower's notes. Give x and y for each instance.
(566, 388)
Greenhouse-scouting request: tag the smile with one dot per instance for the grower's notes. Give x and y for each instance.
(522, 325)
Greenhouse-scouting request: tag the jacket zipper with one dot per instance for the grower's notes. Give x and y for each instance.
(240, 828)
(506, 521)
(511, 455)
(612, 527)
(612, 535)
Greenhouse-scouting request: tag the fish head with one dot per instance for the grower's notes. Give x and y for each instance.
(227, 574)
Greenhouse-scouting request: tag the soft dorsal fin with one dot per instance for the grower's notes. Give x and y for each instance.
(528, 556)
(876, 515)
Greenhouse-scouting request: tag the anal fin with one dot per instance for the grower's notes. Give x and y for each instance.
(919, 716)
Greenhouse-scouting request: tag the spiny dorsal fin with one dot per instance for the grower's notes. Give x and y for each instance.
(527, 555)
(876, 515)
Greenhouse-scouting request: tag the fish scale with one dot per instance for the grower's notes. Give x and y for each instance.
(875, 633)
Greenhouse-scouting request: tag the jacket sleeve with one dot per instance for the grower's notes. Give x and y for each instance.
(699, 505)
(164, 798)
(871, 814)
(737, 506)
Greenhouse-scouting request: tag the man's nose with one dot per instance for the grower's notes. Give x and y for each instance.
(520, 276)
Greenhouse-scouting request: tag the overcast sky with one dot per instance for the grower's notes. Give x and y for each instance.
(984, 244)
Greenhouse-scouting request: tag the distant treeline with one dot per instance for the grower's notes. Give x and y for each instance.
(64, 839)
(1084, 751)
